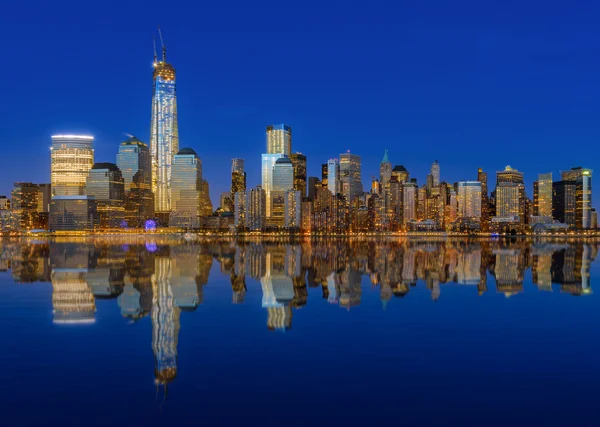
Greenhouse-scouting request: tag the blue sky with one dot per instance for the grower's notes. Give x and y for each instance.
(472, 84)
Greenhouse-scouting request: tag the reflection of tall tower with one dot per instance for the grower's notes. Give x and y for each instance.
(165, 323)
(164, 131)
(72, 298)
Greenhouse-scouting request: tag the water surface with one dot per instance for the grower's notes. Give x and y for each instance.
(403, 332)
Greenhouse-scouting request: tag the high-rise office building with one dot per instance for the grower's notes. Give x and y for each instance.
(324, 177)
(239, 209)
(350, 177)
(283, 181)
(106, 185)
(206, 207)
(4, 203)
(279, 139)
(186, 189)
(268, 163)
(542, 195)
(333, 176)
(133, 160)
(583, 181)
(299, 163)
(435, 173)
(292, 209)
(485, 199)
(564, 202)
(508, 200)
(385, 170)
(409, 201)
(469, 200)
(313, 181)
(164, 132)
(256, 206)
(400, 174)
(513, 176)
(283, 175)
(26, 204)
(72, 157)
(238, 176)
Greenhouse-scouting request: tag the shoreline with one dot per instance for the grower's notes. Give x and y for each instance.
(257, 236)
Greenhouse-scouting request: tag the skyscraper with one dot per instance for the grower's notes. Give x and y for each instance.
(564, 202)
(238, 176)
(72, 157)
(106, 185)
(133, 159)
(583, 181)
(283, 181)
(268, 162)
(324, 177)
(255, 209)
(186, 189)
(350, 177)
(164, 132)
(542, 195)
(385, 170)
(435, 172)
(26, 198)
(279, 139)
(510, 175)
(508, 200)
(409, 202)
(333, 176)
(400, 174)
(469, 200)
(299, 163)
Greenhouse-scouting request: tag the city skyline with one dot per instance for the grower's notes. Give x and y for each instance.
(527, 121)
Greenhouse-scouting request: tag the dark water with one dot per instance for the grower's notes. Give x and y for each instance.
(119, 332)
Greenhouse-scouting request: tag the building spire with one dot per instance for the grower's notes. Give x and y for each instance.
(385, 157)
(164, 49)
(154, 44)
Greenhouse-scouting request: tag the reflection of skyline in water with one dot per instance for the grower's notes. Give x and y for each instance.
(166, 282)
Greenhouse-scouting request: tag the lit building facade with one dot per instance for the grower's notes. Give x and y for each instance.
(268, 163)
(469, 200)
(583, 181)
(186, 189)
(385, 170)
(133, 160)
(400, 174)
(164, 132)
(279, 139)
(71, 159)
(435, 173)
(299, 163)
(542, 195)
(350, 177)
(409, 201)
(105, 184)
(238, 176)
(333, 176)
(256, 207)
(4, 203)
(507, 200)
(293, 209)
(564, 202)
(26, 204)
(513, 176)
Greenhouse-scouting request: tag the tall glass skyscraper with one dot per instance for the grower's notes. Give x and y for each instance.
(164, 132)
(71, 159)
(134, 159)
(469, 200)
(350, 176)
(279, 139)
(187, 183)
